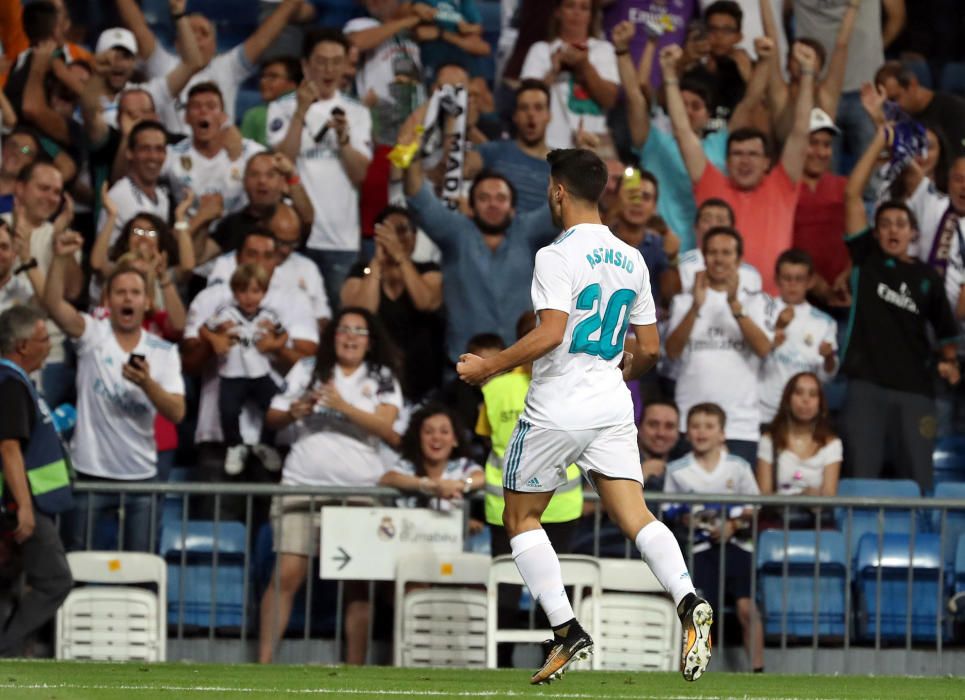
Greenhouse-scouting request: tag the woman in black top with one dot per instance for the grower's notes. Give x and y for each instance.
(406, 296)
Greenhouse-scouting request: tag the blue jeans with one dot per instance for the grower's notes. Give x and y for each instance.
(137, 526)
(857, 132)
(333, 266)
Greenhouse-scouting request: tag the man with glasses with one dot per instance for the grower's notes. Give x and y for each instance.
(19, 150)
(329, 136)
(763, 198)
(140, 191)
(278, 77)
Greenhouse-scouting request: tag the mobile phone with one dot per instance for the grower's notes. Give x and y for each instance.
(336, 112)
(135, 356)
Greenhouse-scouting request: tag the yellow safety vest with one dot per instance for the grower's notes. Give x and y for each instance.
(505, 398)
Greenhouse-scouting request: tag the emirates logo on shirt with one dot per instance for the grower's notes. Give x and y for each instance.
(902, 298)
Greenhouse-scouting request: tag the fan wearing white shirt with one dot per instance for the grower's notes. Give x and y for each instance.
(18, 284)
(805, 338)
(717, 333)
(711, 469)
(589, 288)
(140, 190)
(939, 215)
(710, 214)
(329, 136)
(125, 377)
(228, 69)
(800, 453)
(210, 163)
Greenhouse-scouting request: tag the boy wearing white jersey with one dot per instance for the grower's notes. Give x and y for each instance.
(805, 338)
(588, 289)
(711, 469)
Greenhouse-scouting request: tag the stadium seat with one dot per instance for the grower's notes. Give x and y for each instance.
(113, 620)
(927, 595)
(638, 629)
(954, 520)
(195, 587)
(324, 593)
(865, 520)
(949, 460)
(578, 571)
(802, 549)
(441, 626)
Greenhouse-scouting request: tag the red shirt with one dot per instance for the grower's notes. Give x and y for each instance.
(819, 225)
(764, 216)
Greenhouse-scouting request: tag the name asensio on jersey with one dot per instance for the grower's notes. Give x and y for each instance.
(608, 256)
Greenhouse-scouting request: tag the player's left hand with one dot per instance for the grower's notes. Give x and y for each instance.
(626, 364)
(473, 369)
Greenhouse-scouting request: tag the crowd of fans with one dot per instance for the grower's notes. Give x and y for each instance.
(282, 293)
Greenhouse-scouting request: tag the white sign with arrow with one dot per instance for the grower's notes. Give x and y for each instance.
(365, 543)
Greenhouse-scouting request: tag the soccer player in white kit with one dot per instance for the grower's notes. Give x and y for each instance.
(588, 289)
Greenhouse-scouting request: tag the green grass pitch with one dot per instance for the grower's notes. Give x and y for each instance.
(80, 681)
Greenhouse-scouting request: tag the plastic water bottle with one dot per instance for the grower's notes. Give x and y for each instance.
(65, 418)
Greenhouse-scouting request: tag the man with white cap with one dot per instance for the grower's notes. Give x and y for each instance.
(819, 216)
(117, 52)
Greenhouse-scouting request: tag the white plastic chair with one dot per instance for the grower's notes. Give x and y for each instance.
(635, 632)
(114, 622)
(578, 571)
(441, 626)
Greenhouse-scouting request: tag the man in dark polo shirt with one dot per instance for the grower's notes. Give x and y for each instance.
(889, 357)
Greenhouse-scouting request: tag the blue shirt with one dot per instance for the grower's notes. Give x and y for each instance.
(530, 176)
(485, 291)
(6, 203)
(661, 156)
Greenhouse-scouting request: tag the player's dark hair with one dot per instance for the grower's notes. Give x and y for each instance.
(207, 87)
(708, 409)
(490, 175)
(411, 447)
(39, 20)
(715, 202)
(485, 341)
(382, 356)
(794, 256)
(140, 128)
(724, 231)
(581, 172)
(322, 35)
(891, 205)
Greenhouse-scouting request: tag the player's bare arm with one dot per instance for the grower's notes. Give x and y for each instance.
(547, 336)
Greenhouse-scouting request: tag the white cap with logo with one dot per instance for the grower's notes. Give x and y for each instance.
(117, 37)
(820, 121)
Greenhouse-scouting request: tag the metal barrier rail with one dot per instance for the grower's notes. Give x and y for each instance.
(342, 496)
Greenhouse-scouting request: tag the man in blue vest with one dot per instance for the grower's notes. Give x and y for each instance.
(35, 482)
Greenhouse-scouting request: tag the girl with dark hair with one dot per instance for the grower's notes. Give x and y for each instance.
(342, 403)
(434, 465)
(800, 454)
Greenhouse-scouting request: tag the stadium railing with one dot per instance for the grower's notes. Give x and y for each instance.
(852, 582)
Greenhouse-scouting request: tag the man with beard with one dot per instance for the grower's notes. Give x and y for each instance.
(523, 160)
(125, 377)
(139, 190)
(487, 261)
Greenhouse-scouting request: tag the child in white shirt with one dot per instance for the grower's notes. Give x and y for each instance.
(243, 334)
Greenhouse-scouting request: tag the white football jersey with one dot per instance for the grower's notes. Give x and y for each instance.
(693, 262)
(798, 353)
(186, 168)
(604, 286)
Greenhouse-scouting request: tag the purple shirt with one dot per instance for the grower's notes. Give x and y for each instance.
(675, 13)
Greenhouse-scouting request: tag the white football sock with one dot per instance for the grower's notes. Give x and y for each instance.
(540, 568)
(660, 550)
